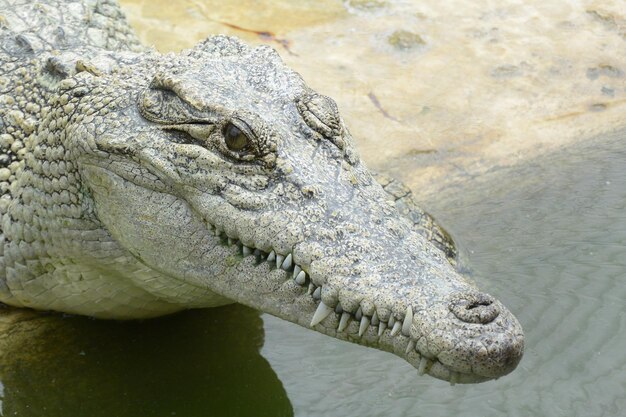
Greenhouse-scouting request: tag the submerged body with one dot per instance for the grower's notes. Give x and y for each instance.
(136, 184)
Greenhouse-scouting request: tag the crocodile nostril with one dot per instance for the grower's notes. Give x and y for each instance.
(474, 307)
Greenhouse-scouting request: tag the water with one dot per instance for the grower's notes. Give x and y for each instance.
(193, 364)
(504, 121)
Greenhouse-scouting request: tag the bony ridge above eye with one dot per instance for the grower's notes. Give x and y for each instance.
(320, 113)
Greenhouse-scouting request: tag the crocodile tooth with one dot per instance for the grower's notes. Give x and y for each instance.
(279, 260)
(338, 308)
(423, 365)
(375, 320)
(381, 328)
(246, 251)
(410, 346)
(296, 270)
(301, 278)
(396, 328)
(365, 323)
(454, 378)
(343, 322)
(217, 232)
(321, 313)
(358, 314)
(408, 319)
(392, 320)
(287, 262)
(317, 294)
(312, 288)
(271, 257)
(231, 240)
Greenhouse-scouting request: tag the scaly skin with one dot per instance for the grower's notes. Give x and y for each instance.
(137, 184)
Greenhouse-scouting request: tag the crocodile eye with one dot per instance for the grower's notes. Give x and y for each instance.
(235, 139)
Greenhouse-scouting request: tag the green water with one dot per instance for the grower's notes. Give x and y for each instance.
(199, 363)
(547, 238)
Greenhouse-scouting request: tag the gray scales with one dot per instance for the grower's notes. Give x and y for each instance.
(136, 184)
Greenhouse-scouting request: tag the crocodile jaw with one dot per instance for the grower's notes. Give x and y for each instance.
(427, 335)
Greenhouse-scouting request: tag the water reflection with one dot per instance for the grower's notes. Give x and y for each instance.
(192, 364)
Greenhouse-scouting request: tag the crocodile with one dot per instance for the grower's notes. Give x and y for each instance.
(137, 184)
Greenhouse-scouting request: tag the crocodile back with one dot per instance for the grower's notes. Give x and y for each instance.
(32, 34)
(29, 27)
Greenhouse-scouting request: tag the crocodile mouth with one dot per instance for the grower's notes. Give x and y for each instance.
(353, 325)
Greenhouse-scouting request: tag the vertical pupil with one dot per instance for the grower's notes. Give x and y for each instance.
(236, 140)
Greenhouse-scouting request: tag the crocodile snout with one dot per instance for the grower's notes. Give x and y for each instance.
(474, 307)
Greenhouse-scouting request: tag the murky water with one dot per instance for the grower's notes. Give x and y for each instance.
(468, 103)
(199, 363)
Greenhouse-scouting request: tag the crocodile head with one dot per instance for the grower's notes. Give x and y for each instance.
(222, 169)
